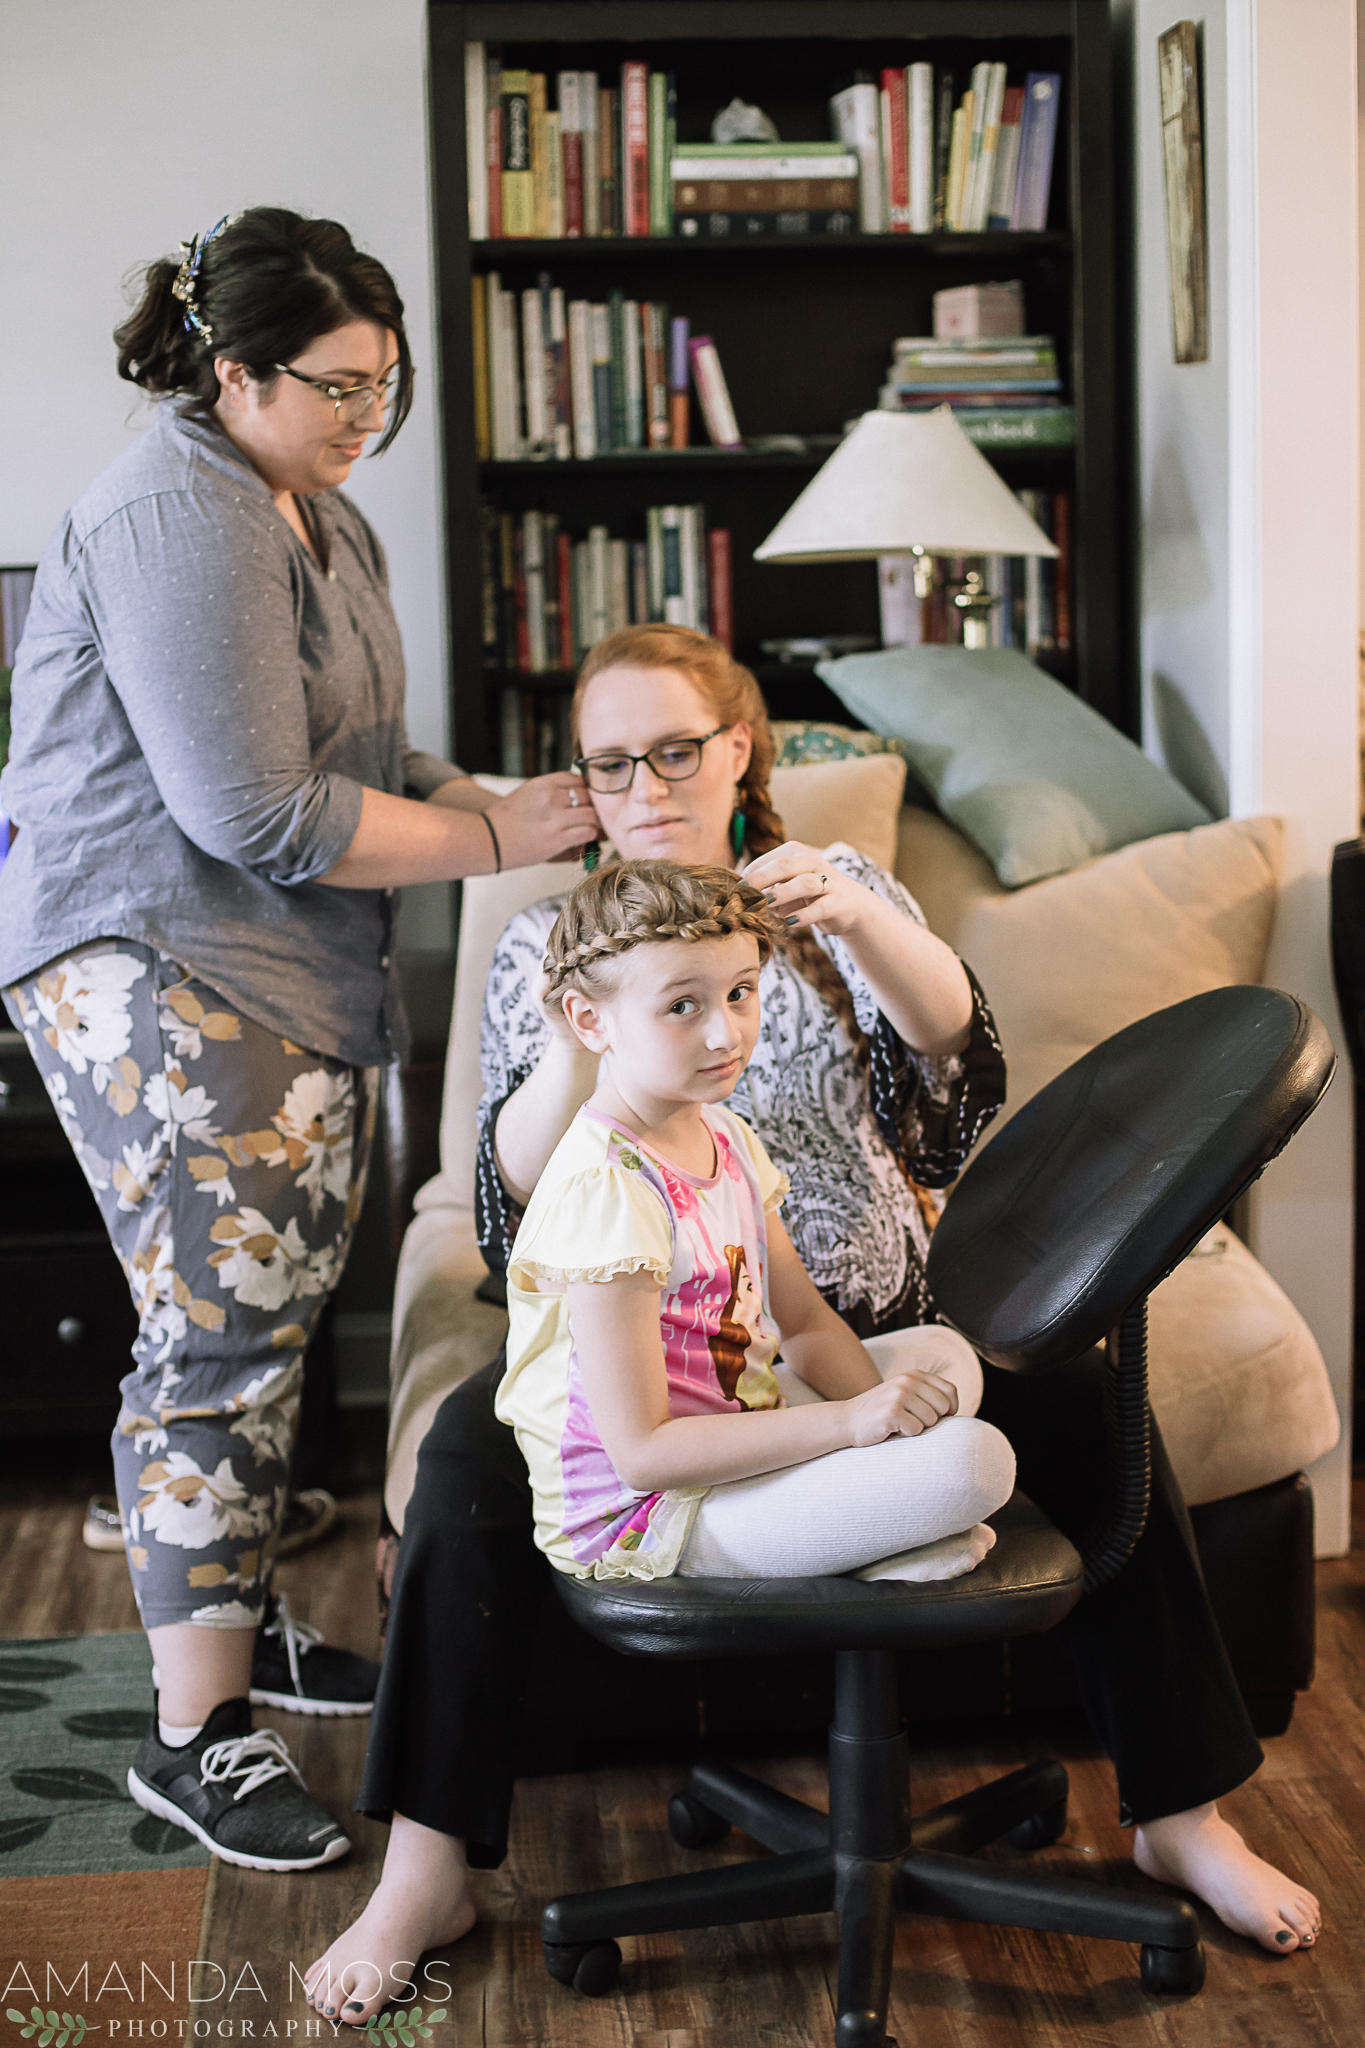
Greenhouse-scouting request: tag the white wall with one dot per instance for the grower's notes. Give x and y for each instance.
(131, 124)
(1250, 472)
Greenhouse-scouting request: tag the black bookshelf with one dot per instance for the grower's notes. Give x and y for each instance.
(803, 326)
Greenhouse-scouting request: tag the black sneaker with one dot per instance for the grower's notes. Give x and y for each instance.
(294, 1669)
(238, 1791)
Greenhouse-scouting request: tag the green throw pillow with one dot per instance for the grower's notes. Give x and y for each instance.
(797, 741)
(1029, 773)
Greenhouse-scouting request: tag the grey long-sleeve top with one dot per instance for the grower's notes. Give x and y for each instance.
(197, 707)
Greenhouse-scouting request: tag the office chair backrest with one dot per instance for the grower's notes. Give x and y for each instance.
(1099, 1186)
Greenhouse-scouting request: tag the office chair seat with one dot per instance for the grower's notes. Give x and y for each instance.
(1050, 1242)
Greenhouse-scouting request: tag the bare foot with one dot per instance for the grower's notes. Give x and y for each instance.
(1204, 1854)
(422, 1901)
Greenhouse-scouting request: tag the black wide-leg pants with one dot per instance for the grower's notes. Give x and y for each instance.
(1152, 1669)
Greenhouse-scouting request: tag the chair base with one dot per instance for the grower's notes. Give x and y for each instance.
(866, 1860)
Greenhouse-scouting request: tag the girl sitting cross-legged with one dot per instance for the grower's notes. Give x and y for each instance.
(651, 1284)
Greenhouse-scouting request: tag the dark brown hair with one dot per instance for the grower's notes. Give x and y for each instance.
(735, 698)
(267, 287)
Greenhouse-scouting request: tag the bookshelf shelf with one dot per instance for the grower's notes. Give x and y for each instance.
(625, 251)
(714, 462)
(803, 324)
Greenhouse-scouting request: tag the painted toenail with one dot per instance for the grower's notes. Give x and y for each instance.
(355, 2005)
(1283, 1936)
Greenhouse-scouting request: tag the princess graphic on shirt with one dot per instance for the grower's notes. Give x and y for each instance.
(740, 1345)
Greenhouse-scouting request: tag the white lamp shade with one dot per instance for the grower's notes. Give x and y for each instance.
(904, 480)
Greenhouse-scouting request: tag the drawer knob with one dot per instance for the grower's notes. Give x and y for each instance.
(71, 1329)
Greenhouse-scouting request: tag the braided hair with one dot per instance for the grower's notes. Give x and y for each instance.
(735, 698)
(642, 902)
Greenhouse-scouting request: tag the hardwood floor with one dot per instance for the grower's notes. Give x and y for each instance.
(767, 1986)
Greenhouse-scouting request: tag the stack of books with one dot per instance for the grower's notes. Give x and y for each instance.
(756, 189)
(556, 380)
(931, 162)
(1005, 390)
(596, 163)
(548, 598)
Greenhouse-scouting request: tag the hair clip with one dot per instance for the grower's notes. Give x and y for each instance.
(186, 278)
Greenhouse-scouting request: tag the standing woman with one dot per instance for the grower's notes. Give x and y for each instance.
(215, 803)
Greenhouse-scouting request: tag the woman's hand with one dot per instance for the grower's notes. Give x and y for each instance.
(804, 889)
(920, 984)
(905, 1405)
(549, 818)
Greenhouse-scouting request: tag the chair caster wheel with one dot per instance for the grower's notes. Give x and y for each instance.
(589, 1967)
(1040, 1830)
(1173, 1970)
(692, 1825)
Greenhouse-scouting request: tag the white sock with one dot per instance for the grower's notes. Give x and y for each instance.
(176, 1738)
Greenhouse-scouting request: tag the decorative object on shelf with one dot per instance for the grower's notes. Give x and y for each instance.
(908, 484)
(1182, 148)
(975, 312)
(740, 122)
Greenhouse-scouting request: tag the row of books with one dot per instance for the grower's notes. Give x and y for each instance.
(596, 163)
(548, 597)
(1033, 594)
(556, 380)
(906, 156)
(931, 162)
(1004, 390)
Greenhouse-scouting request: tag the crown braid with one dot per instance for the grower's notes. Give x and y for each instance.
(641, 902)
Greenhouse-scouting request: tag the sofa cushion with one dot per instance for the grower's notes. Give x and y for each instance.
(1238, 1383)
(857, 800)
(442, 1333)
(1069, 961)
(1032, 775)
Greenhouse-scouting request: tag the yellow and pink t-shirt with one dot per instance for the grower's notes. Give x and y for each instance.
(606, 1205)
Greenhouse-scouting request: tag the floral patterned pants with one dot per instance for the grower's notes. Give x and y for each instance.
(229, 1166)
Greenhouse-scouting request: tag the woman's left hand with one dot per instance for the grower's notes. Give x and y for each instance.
(806, 890)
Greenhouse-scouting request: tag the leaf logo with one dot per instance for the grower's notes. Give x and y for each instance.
(57, 2028)
(405, 2026)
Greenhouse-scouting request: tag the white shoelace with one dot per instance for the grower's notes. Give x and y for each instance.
(255, 1759)
(295, 1635)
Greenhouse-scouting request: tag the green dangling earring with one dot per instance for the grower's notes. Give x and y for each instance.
(737, 825)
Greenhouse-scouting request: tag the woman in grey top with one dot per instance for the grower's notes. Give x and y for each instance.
(215, 802)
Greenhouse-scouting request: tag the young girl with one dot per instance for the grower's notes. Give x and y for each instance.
(652, 1283)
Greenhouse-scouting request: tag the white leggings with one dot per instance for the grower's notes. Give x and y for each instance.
(877, 1508)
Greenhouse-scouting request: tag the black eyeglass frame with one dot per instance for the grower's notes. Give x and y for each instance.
(384, 397)
(697, 740)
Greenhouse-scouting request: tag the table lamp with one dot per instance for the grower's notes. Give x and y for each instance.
(909, 483)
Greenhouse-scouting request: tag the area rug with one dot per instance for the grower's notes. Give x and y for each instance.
(72, 1711)
(111, 1949)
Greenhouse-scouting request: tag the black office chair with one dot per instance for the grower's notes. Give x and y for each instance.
(1051, 1242)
